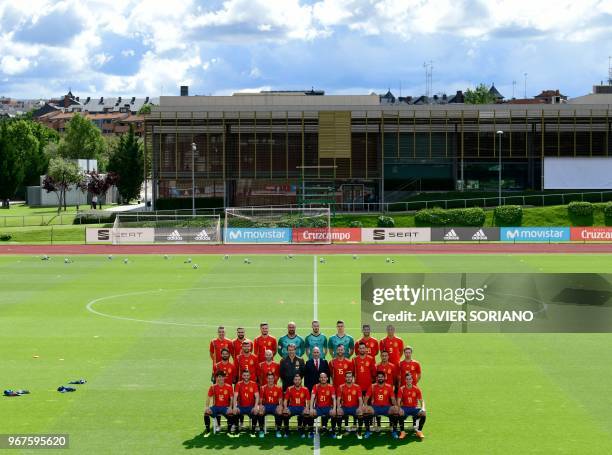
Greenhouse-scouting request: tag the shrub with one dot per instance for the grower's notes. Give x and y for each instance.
(580, 213)
(185, 203)
(356, 224)
(438, 217)
(608, 213)
(95, 217)
(508, 215)
(5, 237)
(385, 221)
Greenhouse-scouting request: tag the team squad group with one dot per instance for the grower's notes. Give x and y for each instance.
(352, 383)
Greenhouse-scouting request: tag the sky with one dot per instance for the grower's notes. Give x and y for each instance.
(151, 47)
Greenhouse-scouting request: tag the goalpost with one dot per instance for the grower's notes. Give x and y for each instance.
(154, 228)
(277, 225)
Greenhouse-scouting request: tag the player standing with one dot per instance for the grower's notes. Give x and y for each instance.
(246, 402)
(390, 369)
(218, 344)
(229, 368)
(316, 339)
(393, 345)
(221, 395)
(296, 402)
(247, 361)
(271, 397)
(341, 339)
(291, 338)
(411, 403)
(322, 403)
(338, 367)
(364, 367)
(408, 365)
(370, 342)
(268, 366)
(264, 342)
(239, 342)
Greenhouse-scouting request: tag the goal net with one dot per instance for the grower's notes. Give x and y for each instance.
(277, 225)
(154, 228)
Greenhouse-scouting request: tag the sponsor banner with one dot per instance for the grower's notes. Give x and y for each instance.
(186, 235)
(487, 302)
(321, 235)
(396, 235)
(120, 235)
(535, 234)
(257, 235)
(591, 234)
(465, 234)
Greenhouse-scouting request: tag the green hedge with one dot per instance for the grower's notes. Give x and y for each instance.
(95, 217)
(608, 214)
(385, 221)
(185, 203)
(580, 213)
(508, 215)
(438, 217)
(356, 224)
(5, 237)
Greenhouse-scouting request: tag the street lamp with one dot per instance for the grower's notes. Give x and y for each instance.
(499, 168)
(194, 148)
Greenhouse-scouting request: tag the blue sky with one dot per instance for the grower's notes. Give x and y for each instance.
(150, 47)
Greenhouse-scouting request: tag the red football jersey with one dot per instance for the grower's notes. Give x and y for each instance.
(265, 368)
(371, 345)
(380, 395)
(413, 367)
(410, 396)
(338, 369)
(391, 372)
(217, 345)
(247, 362)
(261, 344)
(222, 394)
(237, 346)
(365, 371)
(323, 395)
(270, 395)
(246, 393)
(228, 368)
(394, 346)
(349, 394)
(297, 396)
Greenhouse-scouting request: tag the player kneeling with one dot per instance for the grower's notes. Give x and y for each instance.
(246, 402)
(296, 404)
(381, 399)
(350, 403)
(411, 404)
(271, 396)
(322, 403)
(221, 395)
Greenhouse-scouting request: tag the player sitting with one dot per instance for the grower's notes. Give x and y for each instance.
(246, 402)
(271, 397)
(350, 403)
(322, 403)
(296, 404)
(221, 394)
(410, 402)
(381, 399)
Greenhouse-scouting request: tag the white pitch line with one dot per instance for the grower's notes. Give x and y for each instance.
(315, 304)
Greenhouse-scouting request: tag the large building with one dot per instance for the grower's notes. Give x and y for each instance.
(288, 147)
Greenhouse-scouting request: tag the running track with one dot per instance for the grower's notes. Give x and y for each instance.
(432, 248)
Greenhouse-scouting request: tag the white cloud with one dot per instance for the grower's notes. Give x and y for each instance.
(255, 72)
(128, 52)
(12, 65)
(102, 58)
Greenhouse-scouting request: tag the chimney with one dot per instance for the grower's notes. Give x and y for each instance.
(87, 100)
(184, 90)
(101, 100)
(133, 99)
(146, 100)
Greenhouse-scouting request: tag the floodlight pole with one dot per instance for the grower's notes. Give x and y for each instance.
(499, 169)
(193, 151)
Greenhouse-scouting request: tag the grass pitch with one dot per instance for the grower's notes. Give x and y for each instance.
(139, 333)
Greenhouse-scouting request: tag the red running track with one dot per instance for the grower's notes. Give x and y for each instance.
(431, 248)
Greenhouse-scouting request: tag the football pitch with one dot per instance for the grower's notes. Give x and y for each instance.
(138, 332)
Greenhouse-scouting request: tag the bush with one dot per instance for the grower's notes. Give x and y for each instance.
(438, 217)
(94, 217)
(385, 221)
(355, 224)
(185, 203)
(608, 214)
(508, 215)
(5, 237)
(580, 213)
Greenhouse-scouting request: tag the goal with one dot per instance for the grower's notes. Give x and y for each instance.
(154, 228)
(277, 225)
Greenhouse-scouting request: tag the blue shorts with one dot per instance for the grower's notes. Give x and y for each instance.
(323, 411)
(244, 410)
(295, 410)
(350, 410)
(270, 409)
(381, 410)
(410, 411)
(218, 410)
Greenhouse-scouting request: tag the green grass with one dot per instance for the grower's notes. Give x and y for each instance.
(48, 234)
(147, 363)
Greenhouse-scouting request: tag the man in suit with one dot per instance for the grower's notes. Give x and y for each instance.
(290, 366)
(314, 367)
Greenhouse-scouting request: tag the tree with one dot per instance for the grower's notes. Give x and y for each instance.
(480, 95)
(11, 166)
(82, 140)
(30, 139)
(98, 185)
(144, 109)
(62, 175)
(127, 162)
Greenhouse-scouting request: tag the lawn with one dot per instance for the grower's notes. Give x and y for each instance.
(139, 333)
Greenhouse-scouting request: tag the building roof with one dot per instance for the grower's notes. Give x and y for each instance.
(594, 98)
(493, 91)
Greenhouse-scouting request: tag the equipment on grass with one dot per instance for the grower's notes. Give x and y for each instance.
(78, 381)
(64, 389)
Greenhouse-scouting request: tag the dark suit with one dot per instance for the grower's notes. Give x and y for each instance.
(311, 374)
(289, 368)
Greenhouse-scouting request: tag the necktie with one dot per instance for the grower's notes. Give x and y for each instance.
(317, 364)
